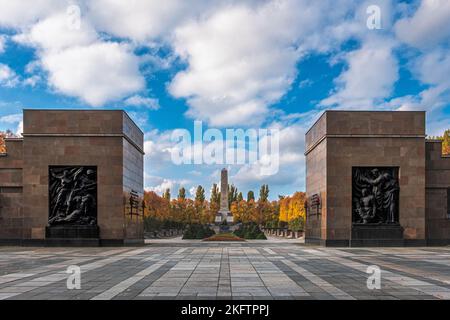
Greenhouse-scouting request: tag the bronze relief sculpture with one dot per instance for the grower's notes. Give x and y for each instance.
(72, 195)
(375, 195)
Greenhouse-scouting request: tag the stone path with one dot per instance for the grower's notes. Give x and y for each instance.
(197, 270)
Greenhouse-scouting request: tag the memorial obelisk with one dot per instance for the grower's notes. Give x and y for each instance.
(224, 211)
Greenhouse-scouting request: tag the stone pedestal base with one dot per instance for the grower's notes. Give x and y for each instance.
(72, 236)
(383, 235)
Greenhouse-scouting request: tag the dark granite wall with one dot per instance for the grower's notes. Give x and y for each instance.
(11, 199)
(437, 185)
(107, 139)
(341, 140)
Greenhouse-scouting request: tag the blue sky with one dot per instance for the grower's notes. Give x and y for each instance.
(231, 64)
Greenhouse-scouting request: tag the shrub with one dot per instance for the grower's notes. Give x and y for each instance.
(272, 224)
(153, 224)
(297, 224)
(261, 236)
(282, 224)
(197, 231)
(250, 231)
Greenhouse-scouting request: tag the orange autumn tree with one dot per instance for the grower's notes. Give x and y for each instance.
(446, 143)
(2, 143)
(445, 138)
(292, 210)
(155, 206)
(244, 211)
(3, 135)
(284, 208)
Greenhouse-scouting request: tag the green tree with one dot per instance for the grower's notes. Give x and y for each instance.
(240, 197)
(182, 193)
(215, 195)
(250, 196)
(166, 194)
(232, 194)
(264, 193)
(200, 195)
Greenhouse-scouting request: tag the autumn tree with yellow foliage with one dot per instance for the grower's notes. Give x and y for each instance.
(2, 143)
(446, 143)
(3, 135)
(292, 210)
(445, 138)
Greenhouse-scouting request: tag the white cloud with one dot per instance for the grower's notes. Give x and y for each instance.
(291, 159)
(429, 26)
(243, 59)
(159, 184)
(140, 118)
(192, 191)
(241, 55)
(305, 83)
(11, 118)
(157, 147)
(142, 20)
(139, 101)
(371, 73)
(32, 81)
(97, 73)
(80, 64)
(54, 33)
(432, 69)
(19, 129)
(8, 77)
(21, 13)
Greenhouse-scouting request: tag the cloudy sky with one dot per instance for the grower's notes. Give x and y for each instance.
(231, 64)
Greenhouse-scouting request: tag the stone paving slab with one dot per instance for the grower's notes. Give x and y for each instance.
(263, 270)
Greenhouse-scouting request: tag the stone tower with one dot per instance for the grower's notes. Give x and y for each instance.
(224, 211)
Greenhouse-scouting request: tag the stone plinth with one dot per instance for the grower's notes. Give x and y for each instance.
(224, 213)
(376, 235)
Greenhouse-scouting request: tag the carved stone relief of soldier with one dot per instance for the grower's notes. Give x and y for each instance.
(72, 195)
(375, 195)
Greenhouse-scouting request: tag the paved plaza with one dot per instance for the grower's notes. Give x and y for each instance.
(197, 270)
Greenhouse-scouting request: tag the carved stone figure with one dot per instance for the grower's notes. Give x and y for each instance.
(375, 195)
(366, 206)
(72, 196)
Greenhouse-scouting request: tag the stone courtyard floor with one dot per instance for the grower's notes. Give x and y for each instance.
(273, 269)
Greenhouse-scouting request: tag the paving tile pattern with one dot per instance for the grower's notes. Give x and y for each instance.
(241, 271)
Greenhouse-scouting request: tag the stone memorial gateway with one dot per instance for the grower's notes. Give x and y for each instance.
(372, 179)
(75, 178)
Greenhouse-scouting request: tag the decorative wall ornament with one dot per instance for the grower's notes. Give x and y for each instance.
(375, 195)
(134, 202)
(313, 205)
(72, 195)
